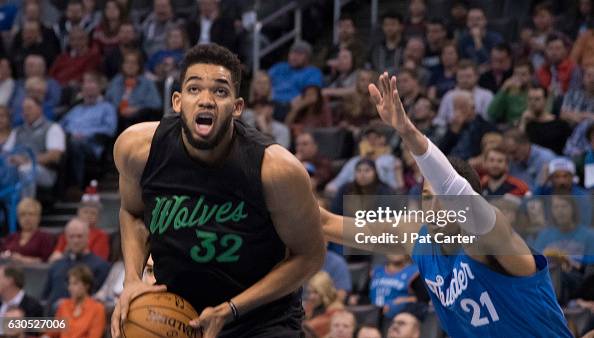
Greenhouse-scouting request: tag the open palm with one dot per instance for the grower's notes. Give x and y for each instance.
(388, 104)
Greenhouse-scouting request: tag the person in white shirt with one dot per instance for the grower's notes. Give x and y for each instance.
(466, 79)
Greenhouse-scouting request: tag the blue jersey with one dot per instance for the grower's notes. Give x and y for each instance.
(385, 287)
(472, 300)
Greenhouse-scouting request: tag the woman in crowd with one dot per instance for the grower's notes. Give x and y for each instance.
(321, 302)
(135, 96)
(342, 84)
(85, 316)
(313, 113)
(29, 245)
(177, 44)
(106, 33)
(357, 110)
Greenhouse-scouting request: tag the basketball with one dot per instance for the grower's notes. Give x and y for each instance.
(162, 314)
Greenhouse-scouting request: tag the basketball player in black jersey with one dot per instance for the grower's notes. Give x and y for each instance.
(228, 216)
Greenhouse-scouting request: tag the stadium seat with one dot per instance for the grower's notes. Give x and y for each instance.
(334, 143)
(359, 275)
(35, 279)
(366, 314)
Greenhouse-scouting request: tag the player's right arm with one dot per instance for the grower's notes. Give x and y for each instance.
(131, 152)
(343, 230)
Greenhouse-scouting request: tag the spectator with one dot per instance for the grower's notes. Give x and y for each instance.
(12, 293)
(443, 75)
(489, 141)
(78, 59)
(368, 332)
(561, 181)
(436, 37)
(409, 88)
(365, 186)
(415, 24)
(584, 161)
(501, 68)
(294, 82)
(7, 83)
(176, 44)
(5, 127)
(77, 252)
(31, 40)
(543, 19)
(37, 88)
(29, 245)
(394, 284)
(387, 55)
(582, 52)
(374, 146)
(342, 325)
(458, 18)
(91, 13)
(260, 116)
(423, 114)
(88, 125)
(559, 73)
(344, 80)
(306, 150)
(154, 28)
(347, 39)
(466, 79)
(128, 41)
(566, 238)
(466, 129)
(357, 110)
(578, 104)
(336, 266)
(73, 18)
(414, 54)
(211, 25)
(576, 21)
(510, 102)
(541, 126)
(527, 159)
(114, 283)
(89, 212)
(106, 34)
(16, 312)
(497, 181)
(47, 141)
(135, 96)
(321, 303)
(407, 324)
(85, 316)
(477, 42)
(313, 113)
(35, 66)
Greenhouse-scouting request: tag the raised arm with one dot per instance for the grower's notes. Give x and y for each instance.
(494, 231)
(130, 155)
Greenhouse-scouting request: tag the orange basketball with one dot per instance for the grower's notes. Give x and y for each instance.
(161, 314)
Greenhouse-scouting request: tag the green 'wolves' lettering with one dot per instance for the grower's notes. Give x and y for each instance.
(169, 209)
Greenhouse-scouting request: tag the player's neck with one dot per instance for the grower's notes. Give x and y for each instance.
(214, 155)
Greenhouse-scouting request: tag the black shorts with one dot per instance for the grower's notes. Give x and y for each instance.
(269, 323)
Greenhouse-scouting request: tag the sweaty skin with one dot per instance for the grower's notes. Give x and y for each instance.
(290, 201)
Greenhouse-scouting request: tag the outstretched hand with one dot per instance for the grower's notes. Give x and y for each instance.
(388, 103)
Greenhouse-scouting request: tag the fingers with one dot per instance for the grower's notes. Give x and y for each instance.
(115, 321)
(375, 94)
(195, 323)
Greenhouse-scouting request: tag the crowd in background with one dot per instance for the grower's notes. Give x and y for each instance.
(517, 105)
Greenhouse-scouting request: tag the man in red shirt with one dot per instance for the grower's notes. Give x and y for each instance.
(497, 181)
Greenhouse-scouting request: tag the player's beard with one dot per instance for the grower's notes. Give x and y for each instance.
(205, 144)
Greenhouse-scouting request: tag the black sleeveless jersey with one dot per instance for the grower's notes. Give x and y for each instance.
(210, 232)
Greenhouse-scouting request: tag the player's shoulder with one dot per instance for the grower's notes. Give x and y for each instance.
(280, 164)
(132, 147)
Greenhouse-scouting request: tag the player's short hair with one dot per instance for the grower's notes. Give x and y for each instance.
(212, 54)
(465, 170)
(16, 274)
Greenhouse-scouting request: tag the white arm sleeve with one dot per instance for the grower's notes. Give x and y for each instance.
(445, 181)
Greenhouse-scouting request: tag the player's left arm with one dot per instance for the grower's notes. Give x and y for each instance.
(296, 218)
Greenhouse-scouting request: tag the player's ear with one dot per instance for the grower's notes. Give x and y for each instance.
(238, 108)
(176, 101)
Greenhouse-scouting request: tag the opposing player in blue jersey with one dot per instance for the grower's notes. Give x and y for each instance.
(494, 287)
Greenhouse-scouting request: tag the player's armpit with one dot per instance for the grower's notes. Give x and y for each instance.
(508, 248)
(296, 218)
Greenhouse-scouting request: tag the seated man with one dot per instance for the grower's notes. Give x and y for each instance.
(77, 252)
(407, 324)
(342, 324)
(47, 141)
(87, 124)
(12, 282)
(98, 244)
(497, 180)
